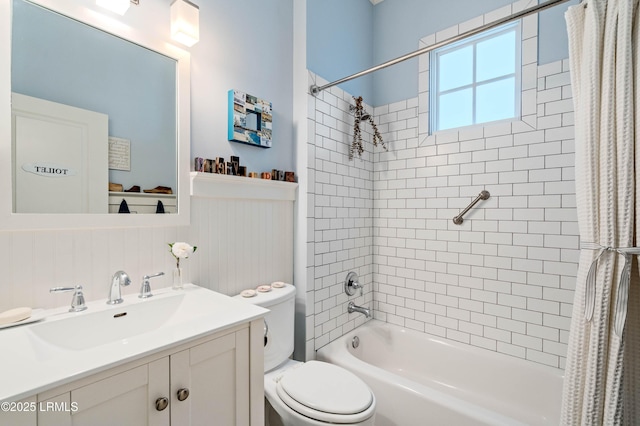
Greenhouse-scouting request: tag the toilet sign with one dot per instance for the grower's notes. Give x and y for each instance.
(60, 153)
(49, 170)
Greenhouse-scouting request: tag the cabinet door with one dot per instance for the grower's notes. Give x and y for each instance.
(55, 411)
(22, 413)
(127, 398)
(216, 374)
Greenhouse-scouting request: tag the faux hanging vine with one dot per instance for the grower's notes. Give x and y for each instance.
(359, 116)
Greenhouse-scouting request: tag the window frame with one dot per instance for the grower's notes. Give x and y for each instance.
(434, 90)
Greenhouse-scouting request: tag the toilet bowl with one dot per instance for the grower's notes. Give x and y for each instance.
(311, 393)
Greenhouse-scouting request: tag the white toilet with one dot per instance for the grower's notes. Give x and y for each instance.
(305, 393)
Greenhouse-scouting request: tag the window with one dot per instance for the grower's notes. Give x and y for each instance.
(476, 80)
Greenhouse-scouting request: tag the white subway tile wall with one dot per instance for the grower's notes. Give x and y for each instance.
(340, 235)
(504, 279)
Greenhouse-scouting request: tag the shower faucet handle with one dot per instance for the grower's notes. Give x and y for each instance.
(351, 284)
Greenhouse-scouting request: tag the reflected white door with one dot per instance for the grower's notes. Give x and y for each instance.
(60, 158)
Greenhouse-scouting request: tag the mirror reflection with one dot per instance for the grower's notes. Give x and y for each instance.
(93, 116)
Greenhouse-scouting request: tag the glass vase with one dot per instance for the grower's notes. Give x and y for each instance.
(177, 279)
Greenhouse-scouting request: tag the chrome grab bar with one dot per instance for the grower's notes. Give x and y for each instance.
(484, 195)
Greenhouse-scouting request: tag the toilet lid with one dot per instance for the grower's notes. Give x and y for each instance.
(327, 388)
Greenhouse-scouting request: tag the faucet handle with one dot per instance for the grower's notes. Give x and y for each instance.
(146, 277)
(145, 289)
(77, 302)
(351, 284)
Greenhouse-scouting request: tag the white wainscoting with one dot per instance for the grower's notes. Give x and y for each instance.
(243, 229)
(34, 261)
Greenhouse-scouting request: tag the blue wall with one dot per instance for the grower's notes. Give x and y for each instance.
(552, 34)
(397, 26)
(340, 42)
(64, 61)
(245, 45)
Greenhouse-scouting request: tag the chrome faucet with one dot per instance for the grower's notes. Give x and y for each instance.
(120, 278)
(351, 308)
(145, 288)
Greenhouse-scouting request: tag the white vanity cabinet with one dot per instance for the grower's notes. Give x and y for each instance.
(205, 382)
(123, 398)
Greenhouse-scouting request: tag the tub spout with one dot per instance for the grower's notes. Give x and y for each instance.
(351, 308)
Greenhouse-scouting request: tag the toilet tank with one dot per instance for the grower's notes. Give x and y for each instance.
(280, 322)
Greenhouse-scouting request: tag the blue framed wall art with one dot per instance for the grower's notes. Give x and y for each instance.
(250, 119)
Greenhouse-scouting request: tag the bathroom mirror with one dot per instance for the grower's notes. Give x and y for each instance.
(76, 58)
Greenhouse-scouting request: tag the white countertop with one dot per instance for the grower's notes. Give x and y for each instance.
(30, 364)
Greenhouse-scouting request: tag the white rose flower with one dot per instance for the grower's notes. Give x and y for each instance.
(181, 250)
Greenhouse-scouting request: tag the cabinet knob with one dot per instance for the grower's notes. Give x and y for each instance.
(183, 394)
(161, 403)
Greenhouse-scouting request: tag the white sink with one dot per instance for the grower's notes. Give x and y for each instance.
(67, 346)
(90, 329)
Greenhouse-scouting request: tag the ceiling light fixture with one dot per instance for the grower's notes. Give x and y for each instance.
(185, 22)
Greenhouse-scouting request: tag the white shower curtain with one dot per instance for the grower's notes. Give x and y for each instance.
(602, 374)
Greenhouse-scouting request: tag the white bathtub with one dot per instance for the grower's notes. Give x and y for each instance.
(423, 380)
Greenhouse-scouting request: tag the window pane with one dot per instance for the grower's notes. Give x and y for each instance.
(496, 56)
(456, 68)
(455, 109)
(495, 101)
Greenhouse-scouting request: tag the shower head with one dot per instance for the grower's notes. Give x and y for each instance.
(365, 115)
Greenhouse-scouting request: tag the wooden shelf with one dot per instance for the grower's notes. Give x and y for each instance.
(141, 195)
(142, 202)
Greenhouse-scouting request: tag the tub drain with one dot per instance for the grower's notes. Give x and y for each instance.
(355, 342)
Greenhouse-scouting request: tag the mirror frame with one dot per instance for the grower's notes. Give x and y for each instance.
(30, 221)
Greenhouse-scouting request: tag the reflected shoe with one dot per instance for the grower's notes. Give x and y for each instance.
(115, 187)
(134, 188)
(159, 190)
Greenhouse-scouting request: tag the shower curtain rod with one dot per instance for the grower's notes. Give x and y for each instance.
(550, 3)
